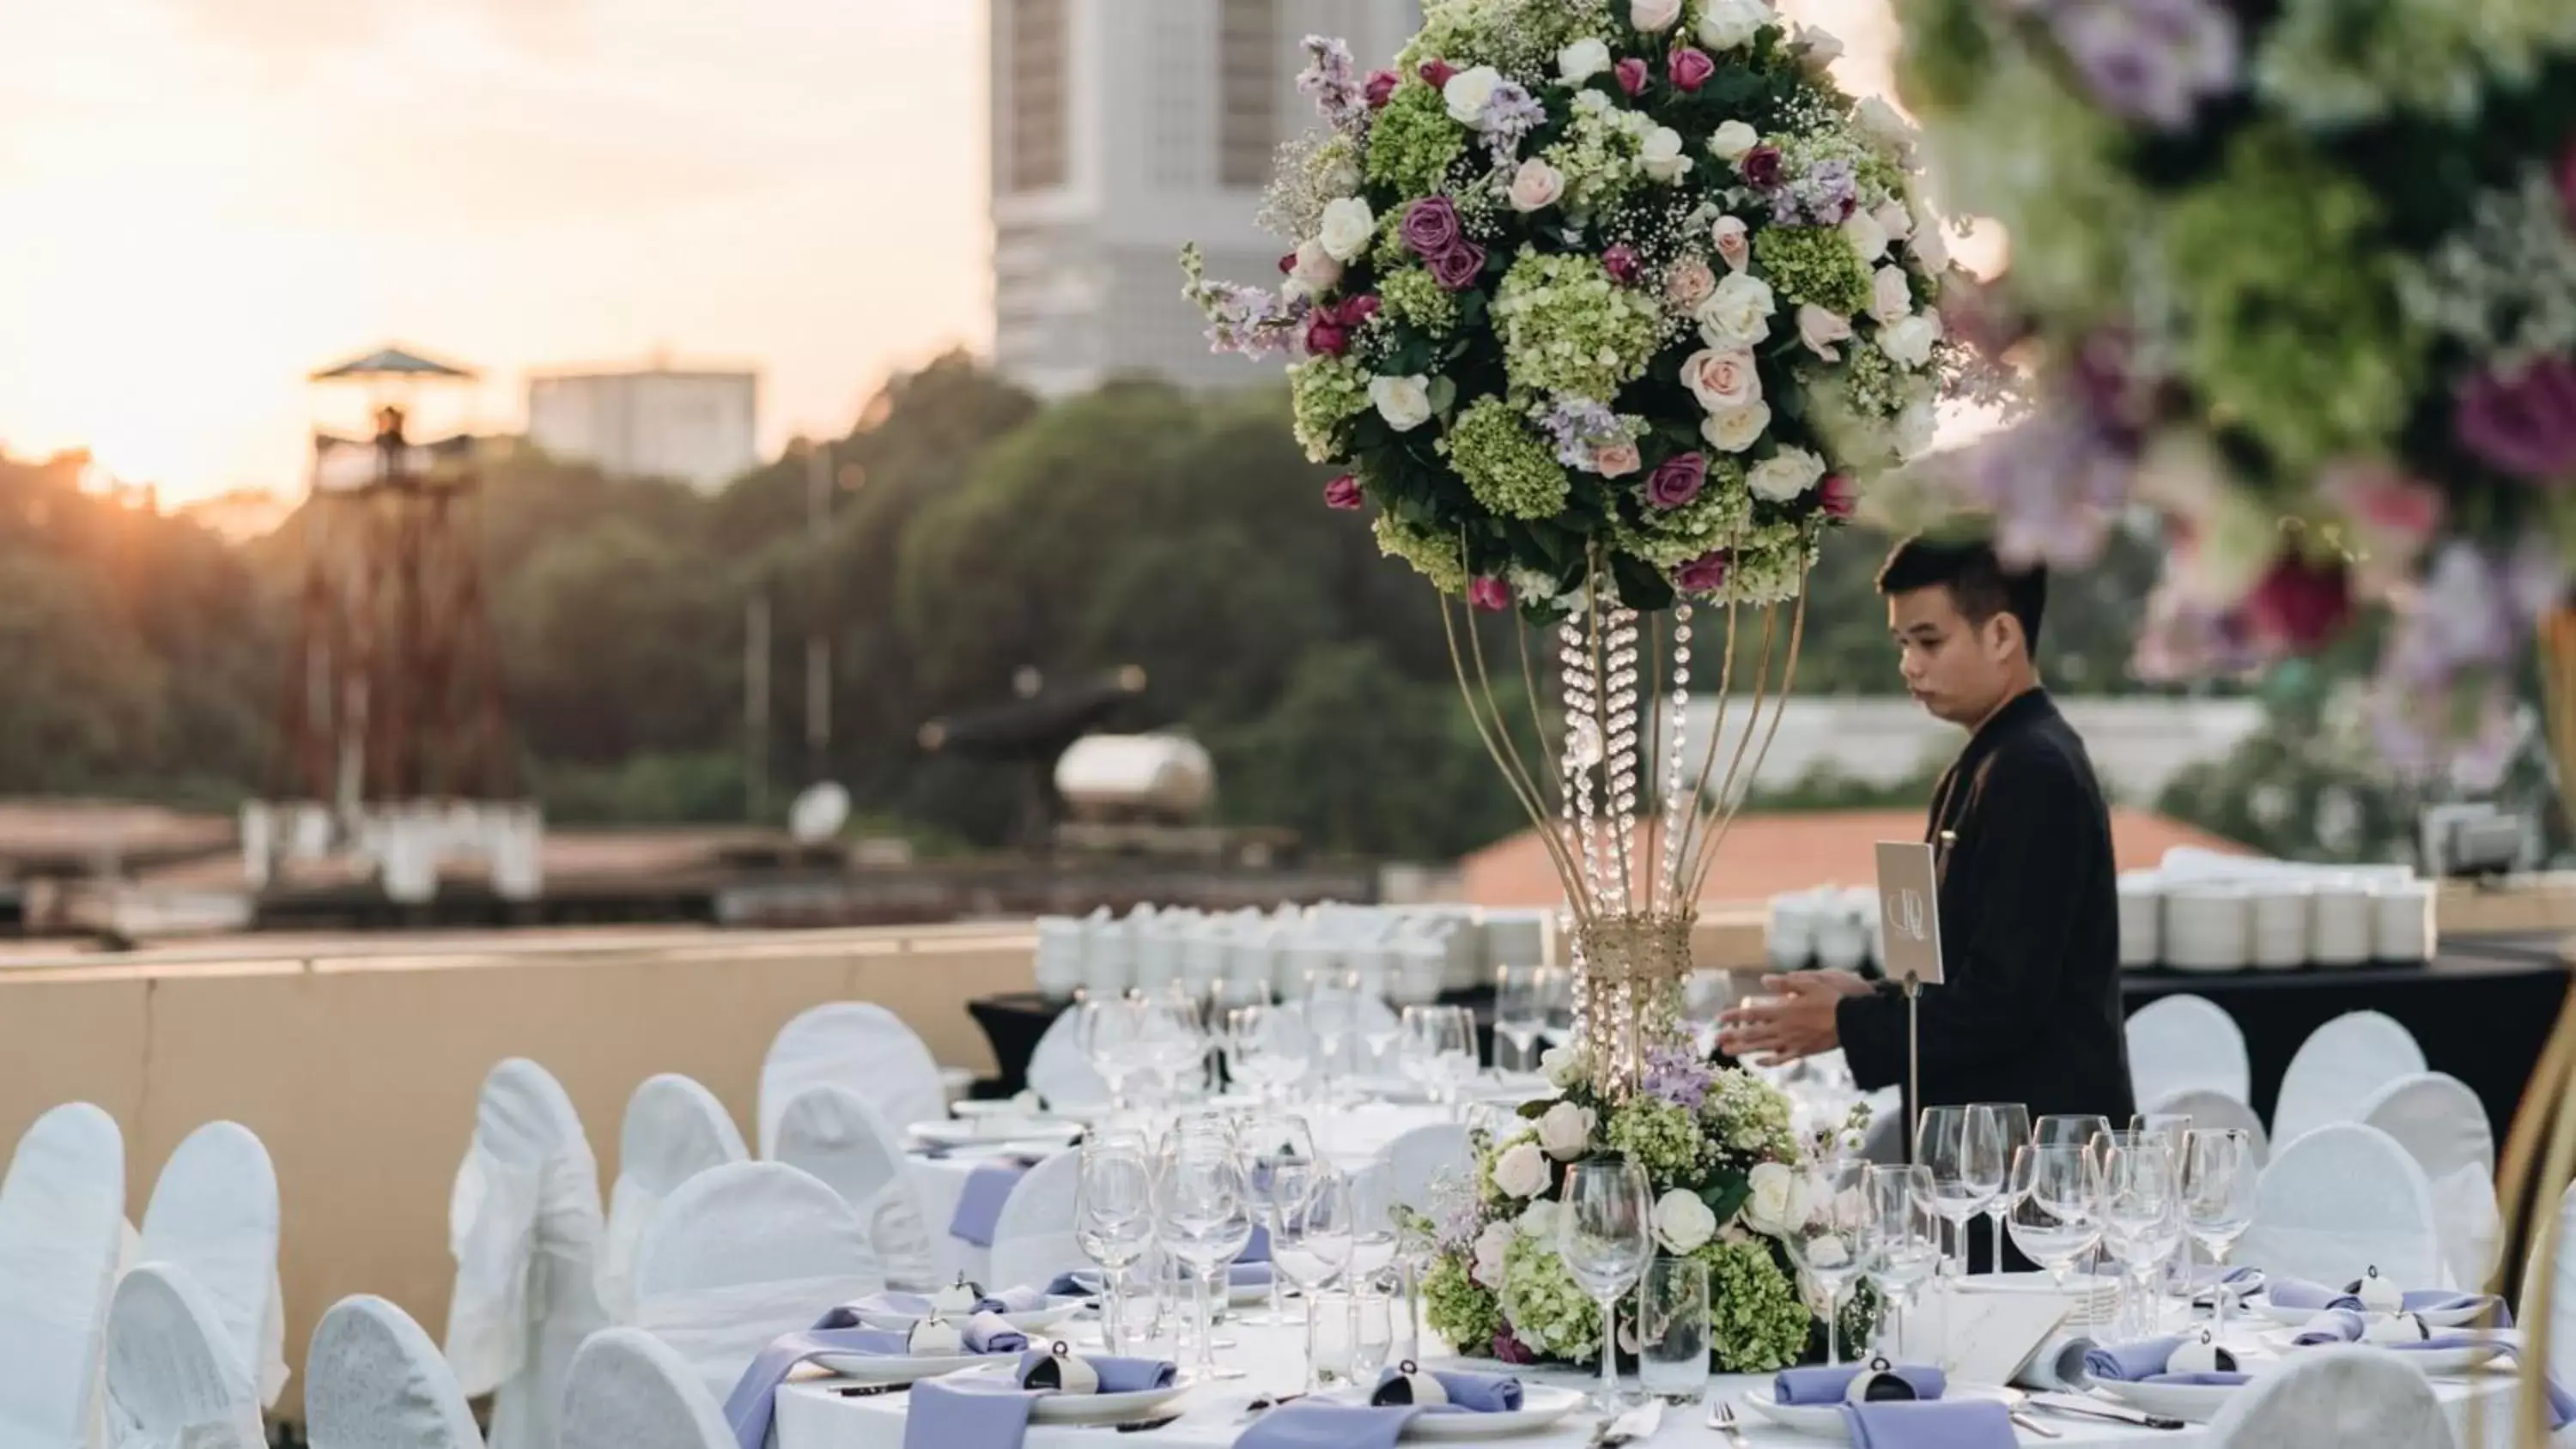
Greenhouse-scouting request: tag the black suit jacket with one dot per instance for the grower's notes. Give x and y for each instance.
(2030, 935)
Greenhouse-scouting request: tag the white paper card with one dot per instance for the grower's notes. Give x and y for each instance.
(1909, 901)
(1987, 1338)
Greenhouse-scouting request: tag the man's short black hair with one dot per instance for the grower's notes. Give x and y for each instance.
(1978, 581)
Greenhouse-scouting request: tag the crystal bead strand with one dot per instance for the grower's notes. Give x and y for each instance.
(1668, 881)
(1623, 718)
(1581, 750)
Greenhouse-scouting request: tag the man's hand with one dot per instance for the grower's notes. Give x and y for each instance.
(1796, 1021)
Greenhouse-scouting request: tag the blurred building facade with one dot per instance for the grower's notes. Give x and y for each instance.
(700, 426)
(1122, 128)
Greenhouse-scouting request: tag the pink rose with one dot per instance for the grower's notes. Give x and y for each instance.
(1762, 166)
(1838, 495)
(1342, 493)
(2299, 605)
(1436, 73)
(1536, 186)
(1677, 481)
(1287, 263)
(1381, 88)
(1733, 241)
(1618, 460)
(1632, 75)
(1430, 226)
(1690, 68)
(2394, 512)
(1621, 262)
(1687, 283)
(1705, 574)
(1355, 311)
(1723, 380)
(1457, 268)
(1326, 337)
(1489, 593)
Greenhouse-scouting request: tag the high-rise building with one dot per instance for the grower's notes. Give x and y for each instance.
(1123, 128)
(699, 426)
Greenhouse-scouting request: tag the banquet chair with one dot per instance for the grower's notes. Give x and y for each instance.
(62, 1222)
(176, 1373)
(2443, 1125)
(853, 1044)
(1033, 1239)
(829, 1132)
(2363, 1398)
(628, 1390)
(1060, 1073)
(214, 1213)
(2336, 1070)
(674, 1130)
(2213, 1110)
(373, 1380)
(2179, 1043)
(1416, 1162)
(524, 1225)
(2342, 1199)
(740, 1254)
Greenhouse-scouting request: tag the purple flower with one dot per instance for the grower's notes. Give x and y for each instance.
(1342, 493)
(1489, 593)
(1510, 114)
(1762, 167)
(1329, 79)
(1581, 429)
(1621, 262)
(1251, 320)
(1691, 68)
(1703, 575)
(1430, 226)
(1632, 75)
(1677, 481)
(2523, 423)
(1380, 88)
(1824, 196)
(2054, 485)
(2154, 61)
(1457, 268)
(1511, 1350)
(1678, 1076)
(1436, 73)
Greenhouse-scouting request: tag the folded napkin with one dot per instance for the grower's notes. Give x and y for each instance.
(1309, 1425)
(2344, 1326)
(1241, 1274)
(967, 1413)
(1469, 1393)
(2298, 1294)
(918, 1305)
(2057, 1365)
(1828, 1385)
(1258, 1250)
(1117, 1375)
(979, 1204)
(755, 1395)
(1966, 1424)
(2144, 1363)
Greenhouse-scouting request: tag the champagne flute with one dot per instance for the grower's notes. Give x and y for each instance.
(1831, 1242)
(1310, 1238)
(2012, 1127)
(2218, 1181)
(1604, 1236)
(1904, 1238)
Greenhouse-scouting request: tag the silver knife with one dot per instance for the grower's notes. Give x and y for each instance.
(2095, 1408)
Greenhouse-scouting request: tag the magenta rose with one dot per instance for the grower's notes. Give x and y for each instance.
(1704, 574)
(1622, 264)
(1489, 593)
(1342, 493)
(1838, 495)
(1632, 74)
(1437, 72)
(2299, 605)
(1287, 263)
(1457, 268)
(1508, 1349)
(1691, 68)
(1380, 88)
(1762, 166)
(1326, 337)
(1431, 226)
(2522, 422)
(1355, 311)
(1677, 481)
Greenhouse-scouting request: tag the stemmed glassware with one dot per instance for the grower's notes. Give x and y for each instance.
(2218, 1180)
(1113, 1218)
(1966, 1153)
(1605, 1235)
(1831, 1243)
(1174, 1044)
(1110, 1029)
(1904, 1238)
(1333, 1018)
(2055, 1212)
(1206, 1221)
(1268, 1048)
(2141, 1216)
(2069, 1129)
(1521, 998)
(2011, 1126)
(1439, 1049)
(1279, 1153)
(1310, 1236)
(2168, 1130)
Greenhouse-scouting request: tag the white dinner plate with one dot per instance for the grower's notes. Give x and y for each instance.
(1036, 1320)
(2198, 1403)
(1541, 1405)
(992, 1107)
(2425, 1360)
(1825, 1421)
(994, 1129)
(1089, 1408)
(880, 1368)
(2298, 1317)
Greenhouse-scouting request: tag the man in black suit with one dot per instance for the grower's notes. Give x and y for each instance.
(2030, 914)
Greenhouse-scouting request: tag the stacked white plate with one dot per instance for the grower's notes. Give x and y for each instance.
(2342, 922)
(2404, 911)
(2094, 1296)
(2142, 905)
(2279, 939)
(2208, 926)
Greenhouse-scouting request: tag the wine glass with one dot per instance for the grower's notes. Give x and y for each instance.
(1966, 1154)
(1419, 1056)
(1904, 1238)
(2141, 1215)
(1113, 1216)
(1373, 1225)
(1521, 996)
(1206, 1223)
(1268, 1047)
(2056, 1193)
(1333, 1017)
(1557, 988)
(1174, 1042)
(2218, 1180)
(2012, 1128)
(1109, 1030)
(2068, 1129)
(1310, 1236)
(2168, 1130)
(1604, 1237)
(1830, 1241)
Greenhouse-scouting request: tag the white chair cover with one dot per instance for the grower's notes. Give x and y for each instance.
(1060, 1072)
(373, 1380)
(214, 1213)
(2178, 1043)
(1416, 1161)
(524, 1225)
(62, 1221)
(2339, 1200)
(674, 1130)
(829, 1132)
(2337, 1069)
(2357, 1399)
(628, 1390)
(2210, 1111)
(2560, 1268)
(1033, 1237)
(177, 1377)
(853, 1044)
(739, 1254)
(2443, 1125)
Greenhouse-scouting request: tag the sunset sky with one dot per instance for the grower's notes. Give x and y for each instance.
(207, 199)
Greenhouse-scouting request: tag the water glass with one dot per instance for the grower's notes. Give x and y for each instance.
(1904, 1239)
(1672, 1328)
(1372, 1321)
(1521, 995)
(2141, 1217)
(1310, 1237)
(1333, 1011)
(2012, 1124)
(2070, 1129)
(1966, 1152)
(1113, 1214)
(2055, 1212)
(2218, 1180)
(1605, 1237)
(1268, 1048)
(1353, 1335)
(1830, 1243)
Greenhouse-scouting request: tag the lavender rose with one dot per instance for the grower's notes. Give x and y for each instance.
(1457, 268)
(1431, 226)
(1677, 481)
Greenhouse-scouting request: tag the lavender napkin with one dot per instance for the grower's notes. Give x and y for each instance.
(1966, 1424)
(1470, 1393)
(968, 1413)
(755, 1395)
(1828, 1385)
(1117, 1375)
(2298, 1294)
(1307, 1425)
(918, 1305)
(1258, 1250)
(2133, 1363)
(2342, 1326)
(979, 1205)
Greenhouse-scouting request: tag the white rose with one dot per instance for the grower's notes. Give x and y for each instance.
(1654, 16)
(1724, 380)
(1773, 1193)
(1914, 428)
(1468, 91)
(1909, 342)
(1879, 119)
(1536, 186)
(1349, 227)
(1894, 219)
(1820, 330)
(1929, 247)
(1866, 236)
(1818, 45)
(1726, 24)
(1562, 1066)
(1565, 1131)
(1538, 1220)
(1490, 1246)
(1582, 60)
(1521, 1171)
(1682, 1221)
(1661, 157)
(1316, 271)
(1733, 432)
(1785, 474)
(1731, 140)
(1594, 102)
(1826, 1253)
(1891, 296)
(1405, 402)
(1738, 313)
(1734, 244)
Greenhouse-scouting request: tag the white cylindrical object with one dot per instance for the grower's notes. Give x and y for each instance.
(2280, 926)
(1164, 775)
(2342, 923)
(2142, 906)
(2207, 927)
(2404, 911)
(1059, 956)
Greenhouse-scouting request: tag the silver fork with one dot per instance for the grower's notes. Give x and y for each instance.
(1721, 1417)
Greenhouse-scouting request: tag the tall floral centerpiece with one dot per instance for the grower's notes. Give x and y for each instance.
(1608, 308)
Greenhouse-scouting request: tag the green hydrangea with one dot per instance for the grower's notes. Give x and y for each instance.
(1665, 1139)
(1774, 570)
(1413, 140)
(1876, 177)
(1458, 1308)
(1752, 1116)
(2328, 67)
(1504, 462)
(1567, 328)
(1873, 383)
(1720, 517)
(1813, 264)
(1543, 1305)
(1517, 37)
(1324, 393)
(1599, 152)
(1415, 298)
(1756, 1321)
(1434, 556)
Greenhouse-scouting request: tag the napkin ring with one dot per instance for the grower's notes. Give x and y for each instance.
(1879, 1383)
(1409, 1385)
(2377, 1294)
(2201, 1355)
(932, 1335)
(1062, 1372)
